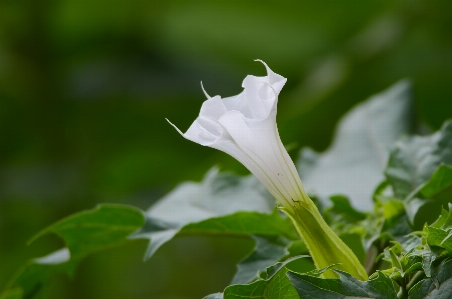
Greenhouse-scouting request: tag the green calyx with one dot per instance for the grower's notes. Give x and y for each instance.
(325, 247)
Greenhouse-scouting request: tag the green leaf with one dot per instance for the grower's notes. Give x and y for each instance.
(430, 196)
(218, 206)
(414, 159)
(106, 225)
(354, 163)
(275, 286)
(84, 233)
(440, 238)
(440, 184)
(214, 296)
(16, 293)
(309, 287)
(342, 206)
(267, 251)
(441, 288)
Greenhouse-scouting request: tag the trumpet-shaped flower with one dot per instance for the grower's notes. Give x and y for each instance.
(244, 126)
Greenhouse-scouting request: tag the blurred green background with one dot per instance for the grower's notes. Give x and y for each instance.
(85, 87)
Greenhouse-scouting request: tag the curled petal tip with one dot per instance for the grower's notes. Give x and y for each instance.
(177, 129)
(205, 93)
(261, 62)
(269, 71)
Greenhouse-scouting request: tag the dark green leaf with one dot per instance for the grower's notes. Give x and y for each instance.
(84, 233)
(309, 287)
(266, 252)
(431, 289)
(354, 163)
(430, 196)
(106, 225)
(440, 184)
(275, 286)
(421, 210)
(342, 206)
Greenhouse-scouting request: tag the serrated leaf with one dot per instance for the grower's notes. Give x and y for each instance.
(354, 163)
(267, 251)
(215, 206)
(84, 233)
(309, 287)
(431, 289)
(414, 159)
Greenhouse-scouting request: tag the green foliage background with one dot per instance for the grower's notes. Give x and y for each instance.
(85, 87)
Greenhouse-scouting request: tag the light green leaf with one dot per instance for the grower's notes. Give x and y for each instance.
(354, 163)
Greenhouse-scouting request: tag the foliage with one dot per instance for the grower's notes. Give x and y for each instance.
(405, 242)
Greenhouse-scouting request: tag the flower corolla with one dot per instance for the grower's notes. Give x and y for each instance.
(244, 126)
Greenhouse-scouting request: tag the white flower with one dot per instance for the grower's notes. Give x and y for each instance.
(244, 126)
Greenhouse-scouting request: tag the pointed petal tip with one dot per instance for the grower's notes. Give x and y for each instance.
(269, 71)
(205, 93)
(261, 61)
(177, 129)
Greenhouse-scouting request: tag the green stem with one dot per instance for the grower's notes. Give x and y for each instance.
(416, 278)
(325, 247)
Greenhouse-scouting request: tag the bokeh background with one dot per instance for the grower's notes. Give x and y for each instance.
(85, 87)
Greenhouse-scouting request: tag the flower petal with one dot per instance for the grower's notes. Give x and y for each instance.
(213, 108)
(260, 143)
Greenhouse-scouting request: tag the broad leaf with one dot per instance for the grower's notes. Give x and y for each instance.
(414, 159)
(354, 163)
(266, 252)
(275, 286)
(83, 233)
(214, 206)
(309, 287)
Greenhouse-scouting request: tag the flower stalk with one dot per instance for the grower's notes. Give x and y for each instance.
(244, 126)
